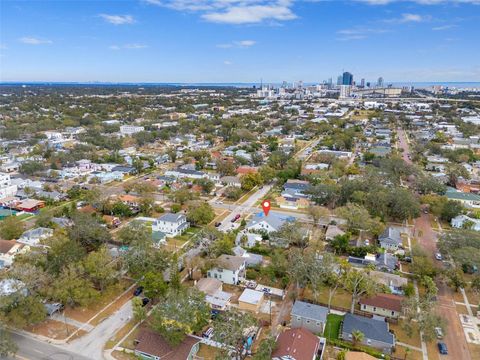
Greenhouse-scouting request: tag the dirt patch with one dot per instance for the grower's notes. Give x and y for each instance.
(400, 352)
(474, 351)
(112, 308)
(461, 309)
(207, 352)
(54, 329)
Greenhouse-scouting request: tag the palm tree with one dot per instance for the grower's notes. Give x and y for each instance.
(357, 337)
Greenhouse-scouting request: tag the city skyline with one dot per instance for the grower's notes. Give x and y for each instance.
(216, 41)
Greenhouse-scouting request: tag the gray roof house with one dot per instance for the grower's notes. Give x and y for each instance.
(390, 239)
(171, 224)
(375, 330)
(271, 223)
(309, 316)
(32, 237)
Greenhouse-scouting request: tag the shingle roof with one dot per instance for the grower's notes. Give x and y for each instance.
(384, 301)
(275, 220)
(152, 343)
(230, 262)
(170, 217)
(310, 311)
(298, 344)
(372, 329)
(391, 235)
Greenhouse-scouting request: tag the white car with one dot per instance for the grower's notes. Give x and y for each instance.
(438, 256)
(439, 333)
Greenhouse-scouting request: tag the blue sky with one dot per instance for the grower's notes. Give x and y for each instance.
(239, 40)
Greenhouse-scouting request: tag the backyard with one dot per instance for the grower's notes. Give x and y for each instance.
(332, 327)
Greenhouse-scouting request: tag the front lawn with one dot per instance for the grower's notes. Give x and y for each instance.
(332, 327)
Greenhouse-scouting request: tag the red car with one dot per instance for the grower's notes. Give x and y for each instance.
(236, 218)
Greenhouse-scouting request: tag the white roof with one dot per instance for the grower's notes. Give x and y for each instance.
(251, 296)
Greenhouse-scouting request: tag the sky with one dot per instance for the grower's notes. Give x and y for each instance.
(193, 41)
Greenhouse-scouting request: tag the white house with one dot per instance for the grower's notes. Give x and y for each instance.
(130, 129)
(6, 187)
(460, 220)
(228, 269)
(271, 223)
(171, 224)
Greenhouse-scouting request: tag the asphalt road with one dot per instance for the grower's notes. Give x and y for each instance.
(32, 349)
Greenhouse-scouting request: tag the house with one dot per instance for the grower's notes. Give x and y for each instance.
(251, 300)
(111, 221)
(390, 239)
(271, 223)
(30, 205)
(309, 316)
(462, 221)
(130, 129)
(8, 250)
(149, 345)
(251, 259)
(395, 282)
(214, 294)
(231, 181)
(171, 224)
(332, 232)
(388, 305)
(228, 269)
(298, 344)
(34, 236)
(296, 188)
(287, 201)
(132, 201)
(247, 239)
(376, 332)
(6, 186)
(386, 262)
(358, 355)
(469, 200)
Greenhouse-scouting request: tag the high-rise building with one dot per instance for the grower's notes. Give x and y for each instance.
(380, 82)
(345, 91)
(340, 80)
(362, 83)
(347, 78)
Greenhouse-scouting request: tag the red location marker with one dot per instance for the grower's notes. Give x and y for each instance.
(266, 207)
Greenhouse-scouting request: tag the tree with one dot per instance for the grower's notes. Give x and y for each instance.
(317, 213)
(25, 311)
(179, 314)
(135, 230)
(290, 234)
(357, 337)
(98, 266)
(182, 196)
(299, 269)
(153, 285)
(11, 228)
(265, 349)
(324, 194)
(475, 284)
(142, 257)
(61, 251)
(358, 218)
(7, 346)
(139, 311)
(359, 283)
(250, 180)
(146, 205)
(200, 213)
(267, 173)
(206, 184)
(88, 232)
(230, 331)
(451, 209)
(233, 192)
(455, 279)
(72, 288)
(340, 243)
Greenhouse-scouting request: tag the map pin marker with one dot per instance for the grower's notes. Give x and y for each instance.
(266, 207)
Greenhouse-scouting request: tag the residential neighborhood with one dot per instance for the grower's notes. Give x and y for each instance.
(136, 227)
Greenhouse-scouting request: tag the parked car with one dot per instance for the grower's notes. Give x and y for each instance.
(438, 256)
(367, 242)
(236, 218)
(145, 301)
(208, 333)
(442, 348)
(407, 259)
(439, 333)
(218, 224)
(138, 291)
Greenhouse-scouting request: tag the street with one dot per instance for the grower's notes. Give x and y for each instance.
(445, 306)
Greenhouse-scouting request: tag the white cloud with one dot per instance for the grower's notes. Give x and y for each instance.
(358, 33)
(443, 27)
(134, 46)
(409, 18)
(227, 62)
(234, 11)
(237, 44)
(118, 19)
(30, 40)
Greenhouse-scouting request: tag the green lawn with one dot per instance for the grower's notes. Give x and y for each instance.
(332, 327)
